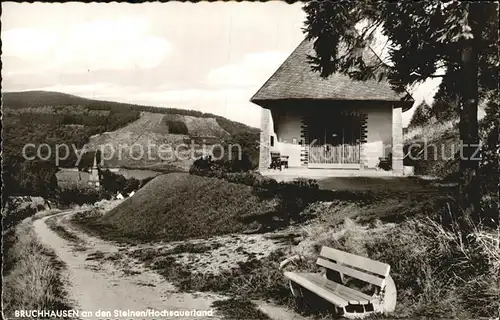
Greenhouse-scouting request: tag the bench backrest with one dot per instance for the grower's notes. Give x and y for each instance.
(355, 266)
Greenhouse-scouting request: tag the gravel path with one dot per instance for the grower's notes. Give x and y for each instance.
(96, 283)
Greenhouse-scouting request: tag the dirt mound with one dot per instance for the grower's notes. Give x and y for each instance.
(178, 206)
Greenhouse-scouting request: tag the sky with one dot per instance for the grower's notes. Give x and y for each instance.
(210, 57)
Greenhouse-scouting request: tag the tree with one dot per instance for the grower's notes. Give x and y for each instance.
(456, 41)
(421, 116)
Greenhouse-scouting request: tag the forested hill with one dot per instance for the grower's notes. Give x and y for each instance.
(58, 100)
(41, 117)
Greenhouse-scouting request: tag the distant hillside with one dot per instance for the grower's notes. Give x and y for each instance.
(53, 118)
(155, 130)
(27, 99)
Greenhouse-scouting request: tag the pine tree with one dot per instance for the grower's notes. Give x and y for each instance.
(421, 116)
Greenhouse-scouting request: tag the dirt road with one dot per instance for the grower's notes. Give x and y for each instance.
(99, 278)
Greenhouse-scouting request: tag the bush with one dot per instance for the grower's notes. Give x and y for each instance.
(114, 183)
(177, 127)
(421, 116)
(13, 214)
(143, 182)
(293, 197)
(34, 178)
(80, 196)
(219, 168)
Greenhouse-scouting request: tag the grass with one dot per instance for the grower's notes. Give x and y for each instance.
(239, 309)
(33, 277)
(253, 279)
(438, 271)
(375, 184)
(178, 206)
(60, 230)
(193, 248)
(98, 255)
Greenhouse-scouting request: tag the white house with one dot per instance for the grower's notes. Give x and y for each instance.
(330, 123)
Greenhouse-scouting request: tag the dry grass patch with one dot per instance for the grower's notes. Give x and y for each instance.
(33, 280)
(239, 309)
(61, 231)
(438, 271)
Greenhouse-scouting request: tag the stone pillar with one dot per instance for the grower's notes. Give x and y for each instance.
(397, 140)
(363, 140)
(265, 140)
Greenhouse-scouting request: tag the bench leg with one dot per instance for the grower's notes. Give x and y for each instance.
(388, 297)
(296, 289)
(355, 315)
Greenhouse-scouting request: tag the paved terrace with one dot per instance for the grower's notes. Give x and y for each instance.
(358, 180)
(318, 174)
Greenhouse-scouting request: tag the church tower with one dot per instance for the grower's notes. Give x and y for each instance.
(94, 179)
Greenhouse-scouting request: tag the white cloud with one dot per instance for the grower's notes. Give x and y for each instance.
(195, 95)
(423, 91)
(99, 44)
(111, 44)
(253, 70)
(27, 43)
(426, 90)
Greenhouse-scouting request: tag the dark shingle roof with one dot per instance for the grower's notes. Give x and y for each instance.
(294, 79)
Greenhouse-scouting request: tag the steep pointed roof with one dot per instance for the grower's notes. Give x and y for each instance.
(294, 79)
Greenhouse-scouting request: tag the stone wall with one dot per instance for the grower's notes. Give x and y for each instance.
(265, 133)
(397, 140)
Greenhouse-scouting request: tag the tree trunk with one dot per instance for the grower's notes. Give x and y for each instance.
(470, 194)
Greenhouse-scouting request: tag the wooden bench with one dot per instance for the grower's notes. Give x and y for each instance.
(278, 161)
(385, 163)
(332, 285)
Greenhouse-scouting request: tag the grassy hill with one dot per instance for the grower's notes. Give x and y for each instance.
(53, 118)
(152, 129)
(200, 207)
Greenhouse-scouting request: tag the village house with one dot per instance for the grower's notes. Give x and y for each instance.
(329, 123)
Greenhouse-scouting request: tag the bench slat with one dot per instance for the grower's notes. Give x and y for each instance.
(351, 272)
(317, 289)
(359, 262)
(353, 296)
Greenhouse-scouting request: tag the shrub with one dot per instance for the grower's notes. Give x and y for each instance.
(114, 183)
(421, 116)
(293, 197)
(219, 168)
(80, 196)
(177, 127)
(143, 182)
